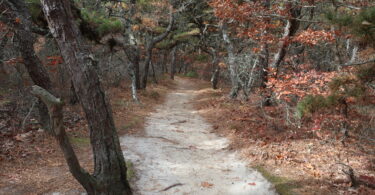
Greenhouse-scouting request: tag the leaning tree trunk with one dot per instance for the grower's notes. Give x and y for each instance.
(25, 38)
(289, 31)
(109, 163)
(231, 62)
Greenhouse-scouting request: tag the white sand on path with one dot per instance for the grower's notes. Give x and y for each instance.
(179, 151)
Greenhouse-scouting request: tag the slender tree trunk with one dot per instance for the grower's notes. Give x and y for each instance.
(151, 44)
(147, 65)
(173, 63)
(231, 62)
(109, 163)
(216, 70)
(26, 39)
(289, 31)
(3, 43)
(153, 73)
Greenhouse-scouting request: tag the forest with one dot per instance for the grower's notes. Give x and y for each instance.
(203, 97)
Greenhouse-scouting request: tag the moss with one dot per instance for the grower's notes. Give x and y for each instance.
(130, 171)
(79, 140)
(283, 185)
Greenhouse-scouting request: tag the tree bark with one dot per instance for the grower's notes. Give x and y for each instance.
(55, 108)
(109, 163)
(25, 38)
(216, 69)
(289, 31)
(173, 63)
(150, 45)
(231, 62)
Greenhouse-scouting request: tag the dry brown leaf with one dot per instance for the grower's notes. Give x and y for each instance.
(205, 184)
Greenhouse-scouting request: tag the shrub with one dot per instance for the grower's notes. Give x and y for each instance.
(192, 74)
(310, 104)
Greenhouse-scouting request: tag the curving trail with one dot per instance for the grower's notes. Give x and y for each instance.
(179, 154)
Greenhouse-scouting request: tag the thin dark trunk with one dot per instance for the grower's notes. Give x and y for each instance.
(289, 30)
(150, 45)
(216, 70)
(109, 163)
(3, 43)
(146, 66)
(153, 73)
(173, 63)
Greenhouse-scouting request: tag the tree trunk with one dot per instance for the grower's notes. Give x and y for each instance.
(153, 73)
(151, 44)
(109, 162)
(231, 62)
(26, 39)
(216, 70)
(173, 63)
(147, 65)
(289, 31)
(3, 43)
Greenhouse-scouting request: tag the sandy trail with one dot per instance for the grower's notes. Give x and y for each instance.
(179, 151)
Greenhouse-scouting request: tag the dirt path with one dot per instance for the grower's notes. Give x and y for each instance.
(179, 155)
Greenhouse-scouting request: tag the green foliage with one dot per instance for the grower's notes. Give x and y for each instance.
(366, 73)
(202, 58)
(145, 5)
(100, 23)
(347, 86)
(192, 74)
(130, 171)
(35, 10)
(310, 104)
(361, 24)
(342, 87)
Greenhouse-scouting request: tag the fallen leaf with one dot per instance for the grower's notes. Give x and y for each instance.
(205, 184)
(252, 184)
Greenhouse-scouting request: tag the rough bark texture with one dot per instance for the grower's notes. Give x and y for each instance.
(3, 43)
(109, 162)
(231, 62)
(173, 63)
(55, 108)
(23, 33)
(289, 30)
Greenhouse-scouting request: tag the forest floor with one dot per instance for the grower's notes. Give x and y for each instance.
(31, 161)
(179, 154)
(297, 160)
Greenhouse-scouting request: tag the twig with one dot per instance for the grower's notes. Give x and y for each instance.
(171, 186)
(28, 114)
(357, 63)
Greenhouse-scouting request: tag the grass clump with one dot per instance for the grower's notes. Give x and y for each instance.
(79, 140)
(283, 185)
(192, 74)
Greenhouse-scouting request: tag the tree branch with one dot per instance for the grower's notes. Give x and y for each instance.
(55, 106)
